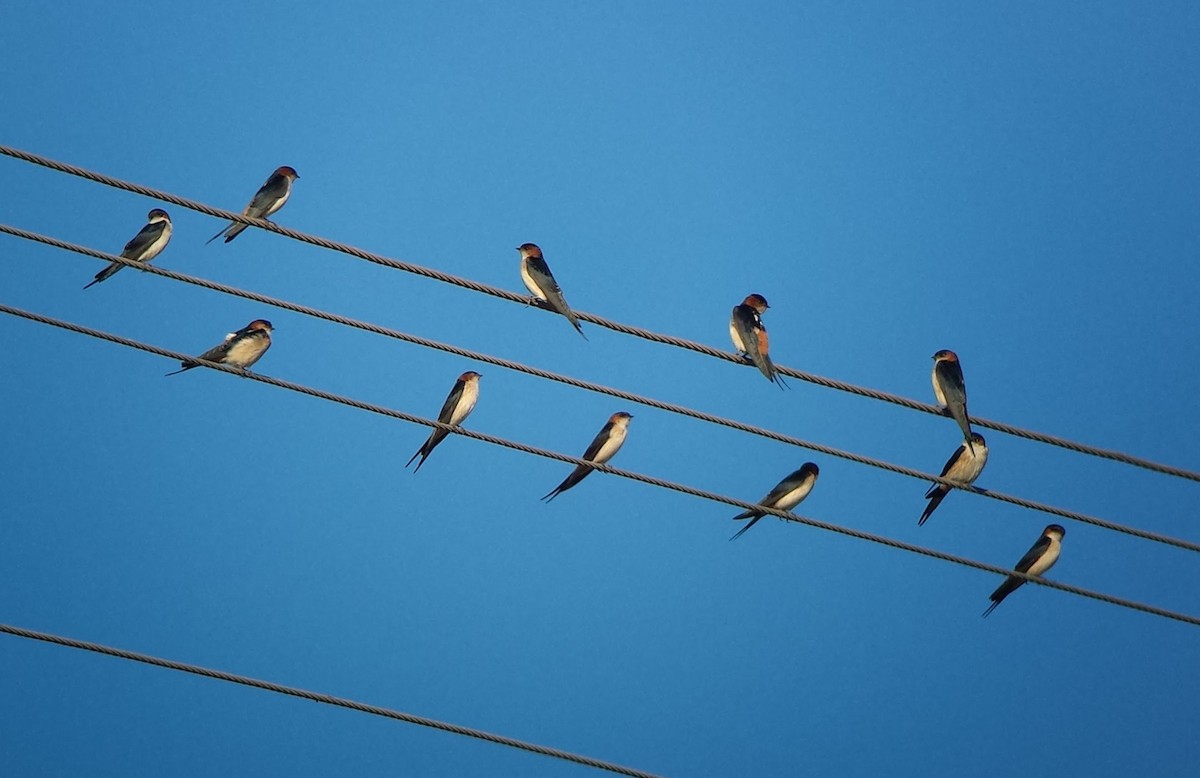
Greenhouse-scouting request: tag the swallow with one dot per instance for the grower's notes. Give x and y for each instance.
(143, 247)
(750, 336)
(786, 495)
(266, 201)
(239, 349)
(607, 443)
(457, 407)
(963, 466)
(1037, 560)
(541, 284)
(950, 390)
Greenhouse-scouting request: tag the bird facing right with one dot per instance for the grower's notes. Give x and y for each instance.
(269, 198)
(786, 495)
(143, 247)
(964, 466)
(1037, 560)
(459, 404)
(239, 349)
(606, 443)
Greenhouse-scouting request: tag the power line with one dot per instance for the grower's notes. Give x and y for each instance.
(639, 332)
(601, 389)
(327, 699)
(650, 480)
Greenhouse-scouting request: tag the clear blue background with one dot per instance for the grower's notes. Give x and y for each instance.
(1015, 181)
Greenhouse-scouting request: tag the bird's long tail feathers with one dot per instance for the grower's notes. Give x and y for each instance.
(420, 451)
(185, 368)
(575, 323)
(426, 449)
(1009, 586)
(107, 273)
(742, 531)
(763, 363)
(767, 368)
(959, 412)
(935, 499)
(232, 231)
(577, 475)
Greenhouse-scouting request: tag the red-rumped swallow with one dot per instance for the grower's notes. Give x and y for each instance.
(457, 407)
(786, 495)
(266, 201)
(239, 349)
(750, 336)
(541, 284)
(1037, 560)
(145, 246)
(607, 443)
(950, 389)
(963, 467)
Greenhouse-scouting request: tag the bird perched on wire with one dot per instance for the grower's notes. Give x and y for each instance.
(143, 247)
(950, 389)
(270, 197)
(749, 335)
(541, 284)
(1037, 560)
(459, 404)
(239, 349)
(786, 495)
(963, 466)
(606, 443)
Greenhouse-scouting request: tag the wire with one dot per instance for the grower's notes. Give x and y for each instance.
(657, 482)
(601, 389)
(327, 699)
(689, 345)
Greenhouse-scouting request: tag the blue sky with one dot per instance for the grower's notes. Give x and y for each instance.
(1017, 182)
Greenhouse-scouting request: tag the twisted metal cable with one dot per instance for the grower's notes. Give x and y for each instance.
(638, 332)
(650, 480)
(601, 389)
(327, 699)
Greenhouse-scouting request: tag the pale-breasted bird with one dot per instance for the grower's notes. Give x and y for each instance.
(606, 443)
(749, 336)
(1037, 560)
(950, 389)
(541, 284)
(143, 247)
(266, 201)
(457, 407)
(786, 495)
(963, 466)
(239, 349)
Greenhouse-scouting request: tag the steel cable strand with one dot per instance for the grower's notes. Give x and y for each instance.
(639, 332)
(650, 480)
(602, 389)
